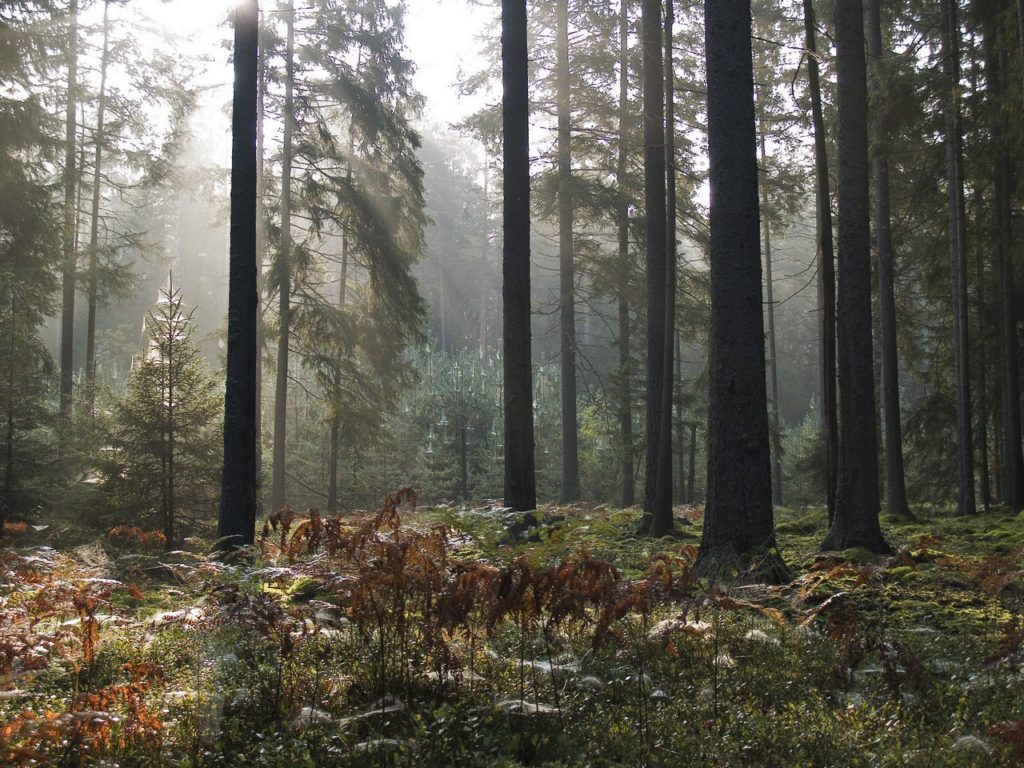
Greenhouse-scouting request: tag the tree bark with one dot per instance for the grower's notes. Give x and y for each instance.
(261, 244)
(278, 496)
(662, 523)
(657, 509)
(237, 522)
(857, 503)
(738, 520)
(70, 265)
(773, 375)
(570, 490)
(1012, 477)
(520, 480)
(892, 428)
(622, 225)
(826, 269)
(335, 434)
(958, 261)
(90, 334)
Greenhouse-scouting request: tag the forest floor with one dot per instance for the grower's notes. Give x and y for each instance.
(433, 637)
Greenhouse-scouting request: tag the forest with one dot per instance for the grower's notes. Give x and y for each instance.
(581, 383)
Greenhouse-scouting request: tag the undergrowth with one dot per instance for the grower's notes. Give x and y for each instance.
(439, 637)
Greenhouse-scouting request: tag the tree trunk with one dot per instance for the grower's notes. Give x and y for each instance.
(679, 437)
(622, 225)
(570, 490)
(857, 503)
(773, 375)
(657, 509)
(7, 510)
(484, 243)
(691, 473)
(237, 522)
(261, 247)
(94, 226)
(892, 428)
(738, 519)
(520, 481)
(826, 269)
(70, 265)
(1012, 478)
(958, 262)
(278, 495)
(169, 367)
(335, 435)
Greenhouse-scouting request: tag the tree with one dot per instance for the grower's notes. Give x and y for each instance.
(237, 522)
(826, 266)
(738, 514)
(657, 484)
(895, 485)
(857, 505)
(165, 436)
(570, 490)
(70, 266)
(1013, 462)
(957, 229)
(283, 268)
(520, 482)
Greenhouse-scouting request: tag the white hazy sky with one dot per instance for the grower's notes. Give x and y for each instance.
(441, 37)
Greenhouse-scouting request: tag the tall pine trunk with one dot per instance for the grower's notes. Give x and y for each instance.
(237, 522)
(857, 503)
(826, 269)
(261, 244)
(958, 261)
(662, 523)
(657, 509)
(773, 371)
(70, 265)
(335, 432)
(622, 226)
(892, 428)
(570, 490)
(1012, 478)
(738, 514)
(278, 495)
(520, 479)
(94, 225)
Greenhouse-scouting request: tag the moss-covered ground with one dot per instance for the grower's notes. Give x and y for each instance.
(443, 639)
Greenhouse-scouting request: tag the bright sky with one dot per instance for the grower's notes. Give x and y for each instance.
(441, 37)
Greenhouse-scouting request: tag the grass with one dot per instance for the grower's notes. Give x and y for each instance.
(441, 640)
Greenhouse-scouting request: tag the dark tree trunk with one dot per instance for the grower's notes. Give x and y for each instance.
(622, 224)
(335, 433)
(567, 294)
(261, 250)
(484, 248)
(958, 262)
(278, 495)
(773, 375)
(857, 504)
(691, 472)
(7, 509)
(679, 436)
(70, 265)
(94, 225)
(663, 522)
(520, 481)
(738, 520)
(892, 428)
(826, 270)
(657, 507)
(1012, 477)
(237, 523)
